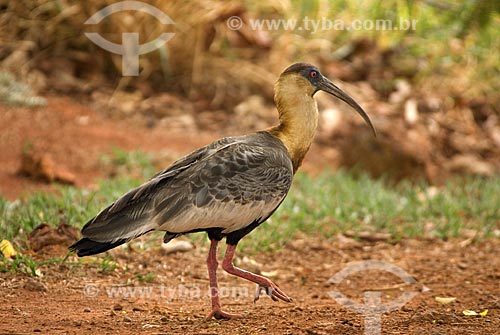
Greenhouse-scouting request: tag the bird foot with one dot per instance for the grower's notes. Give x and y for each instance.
(219, 314)
(272, 290)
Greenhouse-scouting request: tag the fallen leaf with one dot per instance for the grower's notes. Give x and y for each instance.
(7, 249)
(445, 300)
(469, 312)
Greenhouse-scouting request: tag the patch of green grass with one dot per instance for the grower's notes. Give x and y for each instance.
(326, 205)
(336, 202)
(131, 163)
(145, 278)
(73, 206)
(107, 264)
(19, 264)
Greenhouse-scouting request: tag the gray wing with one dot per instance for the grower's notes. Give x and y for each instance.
(186, 161)
(130, 215)
(226, 185)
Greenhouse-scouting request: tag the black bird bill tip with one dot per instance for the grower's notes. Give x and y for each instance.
(329, 87)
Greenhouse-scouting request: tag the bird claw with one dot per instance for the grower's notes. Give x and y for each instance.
(271, 290)
(219, 314)
(266, 290)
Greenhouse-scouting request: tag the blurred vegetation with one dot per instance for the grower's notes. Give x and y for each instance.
(453, 49)
(432, 91)
(13, 92)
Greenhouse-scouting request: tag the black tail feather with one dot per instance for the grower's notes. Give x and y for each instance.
(87, 247)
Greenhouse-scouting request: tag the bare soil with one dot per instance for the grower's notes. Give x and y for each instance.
(73, 298)
(74, 137)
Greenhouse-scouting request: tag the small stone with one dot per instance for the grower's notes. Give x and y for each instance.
(177, 246)
(117, 307)
(406, 309)
(86, 310)
(411, 111)
(127, 319)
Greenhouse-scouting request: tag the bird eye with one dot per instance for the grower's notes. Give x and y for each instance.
(313, 74)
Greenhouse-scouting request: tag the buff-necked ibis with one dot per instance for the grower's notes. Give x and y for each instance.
(227, 188)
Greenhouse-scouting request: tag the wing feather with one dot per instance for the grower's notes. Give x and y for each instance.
(227, 184)
(236, 186)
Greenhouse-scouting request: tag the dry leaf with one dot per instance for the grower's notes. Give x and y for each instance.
(468, 312)
(7, 249)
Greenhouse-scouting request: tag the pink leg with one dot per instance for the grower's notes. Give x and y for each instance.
(212, 265)
(264, 283)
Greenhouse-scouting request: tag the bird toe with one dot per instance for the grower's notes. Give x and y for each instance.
(219, 314)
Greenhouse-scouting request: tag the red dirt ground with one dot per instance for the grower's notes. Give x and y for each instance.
(56, 303)
(75, 137)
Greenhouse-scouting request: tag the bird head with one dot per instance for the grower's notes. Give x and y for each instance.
(309, 80)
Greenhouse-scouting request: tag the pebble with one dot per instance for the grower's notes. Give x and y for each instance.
(177, 246)
(406, 309)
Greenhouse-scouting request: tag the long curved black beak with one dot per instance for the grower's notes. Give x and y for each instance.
(329, 87)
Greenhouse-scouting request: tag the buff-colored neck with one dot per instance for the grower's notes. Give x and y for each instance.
(298, 115)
